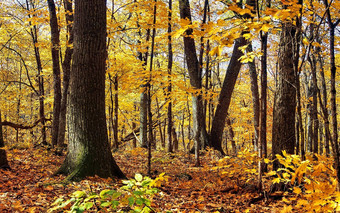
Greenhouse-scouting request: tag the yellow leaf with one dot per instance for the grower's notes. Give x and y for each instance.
(179, 32)
(266, 160)
(302, 202)
(271, 173)
(299, 172)
(287, 209)
(216, 51)
(305, 41)
(247, 36)
(266, 27)
(276, 180)
(286, 200)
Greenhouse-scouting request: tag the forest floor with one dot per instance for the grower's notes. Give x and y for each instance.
(29, 186)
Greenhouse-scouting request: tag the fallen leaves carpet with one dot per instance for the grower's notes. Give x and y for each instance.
(30, 187)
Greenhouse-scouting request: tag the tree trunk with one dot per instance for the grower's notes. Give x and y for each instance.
(283, 132)
(169, 89)
(200, 134)
(256, 99)
(66, 65)
(88, 150)
(313, 123)
(323, 105)
(335, 145)
(34, 35)
(56, 71)
(263, 104)
(3, 160)
(2, 143)
(144, 100)
(230, 134)
(3, 157)
(221, 112)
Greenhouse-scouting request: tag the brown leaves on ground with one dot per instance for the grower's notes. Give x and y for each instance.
(30, 187)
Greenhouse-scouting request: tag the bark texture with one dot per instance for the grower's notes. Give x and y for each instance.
(283, 135)
(88, 150)
(224, 99)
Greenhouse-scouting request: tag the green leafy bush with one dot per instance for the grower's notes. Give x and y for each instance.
(133, 196)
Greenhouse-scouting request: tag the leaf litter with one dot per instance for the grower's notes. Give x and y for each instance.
(30, 187)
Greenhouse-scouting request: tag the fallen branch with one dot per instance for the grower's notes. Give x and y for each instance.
(23, 126)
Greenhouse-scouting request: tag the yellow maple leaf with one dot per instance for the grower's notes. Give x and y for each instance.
(266, 27)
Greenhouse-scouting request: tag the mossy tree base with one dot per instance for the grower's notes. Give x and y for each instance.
(89, 165)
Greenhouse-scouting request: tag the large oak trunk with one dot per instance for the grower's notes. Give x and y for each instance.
(88, 150)
(283, 135)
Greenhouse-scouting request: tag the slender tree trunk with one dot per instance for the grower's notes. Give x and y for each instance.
(169, 97)
(2, 143)
(115, 110)
(335, 145)
(144, 100)
(56, 71)
(34, 35)
(221, 112)
(195, 79)
(175, 139)
(262, 143)
(19, 104)
(161, 135)
(151, 139)
(134, 141)
(66, 66)
(182, 133)
(323, 105)
(256, 99)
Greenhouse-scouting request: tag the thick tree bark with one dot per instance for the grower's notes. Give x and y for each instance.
(88, 150)
(221, 112)
(283, 132)
(66, 65)
(56, 71)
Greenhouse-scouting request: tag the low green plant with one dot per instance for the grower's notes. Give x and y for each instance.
(133, 196)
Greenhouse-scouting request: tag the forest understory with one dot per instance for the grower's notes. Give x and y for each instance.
(30, 187)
